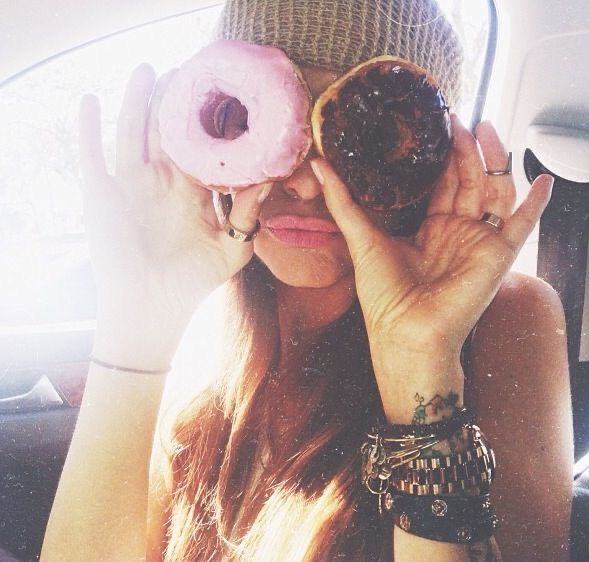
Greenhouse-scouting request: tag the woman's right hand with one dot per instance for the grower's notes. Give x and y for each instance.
(155, 242)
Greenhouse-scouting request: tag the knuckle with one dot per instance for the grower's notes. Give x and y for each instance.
(470, 184)
(463, 208)
(528, 222)
(513, 247)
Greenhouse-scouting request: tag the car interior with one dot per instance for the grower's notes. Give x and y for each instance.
(527, 72)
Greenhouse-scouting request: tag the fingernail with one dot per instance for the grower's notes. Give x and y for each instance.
(546, 177)
(264, 193)
(317, 172)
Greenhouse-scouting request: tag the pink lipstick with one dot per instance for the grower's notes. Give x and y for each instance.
(303, 232)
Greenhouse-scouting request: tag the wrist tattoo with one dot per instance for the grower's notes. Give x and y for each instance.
(486, 551)
(459, 442)
(439, 408)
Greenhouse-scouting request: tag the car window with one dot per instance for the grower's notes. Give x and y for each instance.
(45, 271)
(46, 276)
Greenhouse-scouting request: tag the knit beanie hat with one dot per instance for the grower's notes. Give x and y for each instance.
(339, 34)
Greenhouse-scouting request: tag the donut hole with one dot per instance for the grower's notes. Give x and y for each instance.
(223, 116)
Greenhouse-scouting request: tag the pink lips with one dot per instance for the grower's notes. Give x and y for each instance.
(303, 232)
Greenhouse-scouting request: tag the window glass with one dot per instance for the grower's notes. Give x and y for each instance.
(470, 18)
(45, 274)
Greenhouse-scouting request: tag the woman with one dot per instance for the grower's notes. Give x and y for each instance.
(265, 464)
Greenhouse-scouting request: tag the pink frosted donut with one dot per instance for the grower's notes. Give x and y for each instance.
(236, 115)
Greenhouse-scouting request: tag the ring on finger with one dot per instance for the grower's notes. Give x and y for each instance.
(508, 169)
(240, 235)
(494, 220)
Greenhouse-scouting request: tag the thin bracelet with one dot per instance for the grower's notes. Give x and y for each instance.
(126, 369)
(442, 429)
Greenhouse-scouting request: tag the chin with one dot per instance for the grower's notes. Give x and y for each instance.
(315, 268)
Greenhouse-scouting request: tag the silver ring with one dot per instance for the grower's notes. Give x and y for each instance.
(508, 169)
(240, 235)
(223, 205)
(493, 220)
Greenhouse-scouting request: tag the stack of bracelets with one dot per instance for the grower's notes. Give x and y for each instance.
(444, 498)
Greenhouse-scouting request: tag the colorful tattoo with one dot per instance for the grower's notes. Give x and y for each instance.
(459, 442)
(439, 408)
(487, 551)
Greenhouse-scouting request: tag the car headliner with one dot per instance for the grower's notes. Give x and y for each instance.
(32, 31)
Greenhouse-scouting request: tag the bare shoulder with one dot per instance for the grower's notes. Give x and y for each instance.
(522, 299)
(525, 313)
(518, 354)
(518, 384)
(521, 338)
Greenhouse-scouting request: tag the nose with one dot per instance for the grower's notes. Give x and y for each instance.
(303, 184)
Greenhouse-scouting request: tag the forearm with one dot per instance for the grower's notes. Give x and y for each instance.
(409, 548)
(100, 509)
(407, 381)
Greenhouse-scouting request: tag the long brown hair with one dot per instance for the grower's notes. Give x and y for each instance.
(309, 505)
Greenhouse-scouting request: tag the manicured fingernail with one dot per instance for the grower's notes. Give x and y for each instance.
(317, 172)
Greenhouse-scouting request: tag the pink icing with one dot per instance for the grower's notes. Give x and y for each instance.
(263, 79)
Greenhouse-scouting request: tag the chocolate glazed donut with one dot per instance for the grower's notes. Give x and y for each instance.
(385, 128)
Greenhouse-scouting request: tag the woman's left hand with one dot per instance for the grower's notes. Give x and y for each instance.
(428, 292)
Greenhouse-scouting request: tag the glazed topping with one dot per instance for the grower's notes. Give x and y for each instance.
(235, 115)
(386, 132)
